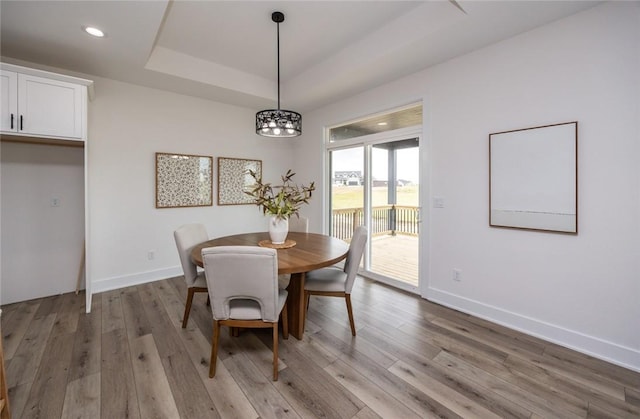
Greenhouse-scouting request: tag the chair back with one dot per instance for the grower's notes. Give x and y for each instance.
(299, 224)
(354, 256)
(242, 273)
(188, 236)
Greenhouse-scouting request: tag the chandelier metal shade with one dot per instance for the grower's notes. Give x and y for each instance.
(278, 123)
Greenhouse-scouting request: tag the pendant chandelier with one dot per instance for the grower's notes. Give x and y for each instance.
(278, 122)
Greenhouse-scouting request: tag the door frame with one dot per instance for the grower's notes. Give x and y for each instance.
(367, 142)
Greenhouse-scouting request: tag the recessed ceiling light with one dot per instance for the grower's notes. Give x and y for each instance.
(382, 123)
(93, 31)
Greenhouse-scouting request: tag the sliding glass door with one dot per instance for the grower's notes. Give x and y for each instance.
(347, 191)
(376, 183)
(394, 191)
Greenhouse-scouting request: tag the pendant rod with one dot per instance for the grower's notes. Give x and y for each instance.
(278, 52)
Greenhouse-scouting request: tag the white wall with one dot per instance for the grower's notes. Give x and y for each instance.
(580, 291)
(41, 244)
(127, 125)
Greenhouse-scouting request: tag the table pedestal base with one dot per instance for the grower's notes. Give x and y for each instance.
(296, 305)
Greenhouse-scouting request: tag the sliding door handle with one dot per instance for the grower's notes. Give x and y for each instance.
(11, 121)
(21, 124)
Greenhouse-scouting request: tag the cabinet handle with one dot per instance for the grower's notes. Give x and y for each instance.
(11, 121)
(21, 125)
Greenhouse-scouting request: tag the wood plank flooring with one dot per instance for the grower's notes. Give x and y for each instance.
(130, 358)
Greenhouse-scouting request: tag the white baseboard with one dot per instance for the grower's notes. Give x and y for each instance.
(589, 345)
(114, 283)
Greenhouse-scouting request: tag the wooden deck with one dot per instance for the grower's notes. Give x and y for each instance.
(395, 257)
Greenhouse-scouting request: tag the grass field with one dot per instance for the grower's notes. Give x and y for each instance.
(353, 196)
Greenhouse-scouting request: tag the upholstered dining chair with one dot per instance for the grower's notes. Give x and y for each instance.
(243, 286)
(298, 224)
(336, 282)
(187, 236)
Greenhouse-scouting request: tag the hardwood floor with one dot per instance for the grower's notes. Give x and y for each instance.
(130, 358)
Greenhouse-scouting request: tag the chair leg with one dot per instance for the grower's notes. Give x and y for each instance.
(347, 298)
(285, 322)
(214, 349)
(187, 307)
(275, 351)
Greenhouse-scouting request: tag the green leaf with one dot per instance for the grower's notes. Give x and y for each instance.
(282, 200)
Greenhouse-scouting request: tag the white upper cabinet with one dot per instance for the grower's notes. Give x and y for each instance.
(49, 107)
(42, 104)
(8, 101)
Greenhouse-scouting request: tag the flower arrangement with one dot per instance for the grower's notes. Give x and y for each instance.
(281, 201)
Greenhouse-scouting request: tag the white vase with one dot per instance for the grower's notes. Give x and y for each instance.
(278, 229)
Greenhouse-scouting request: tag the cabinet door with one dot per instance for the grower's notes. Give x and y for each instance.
(8, 101)
(49, 108)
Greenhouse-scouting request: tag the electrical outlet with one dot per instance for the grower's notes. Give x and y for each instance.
(438, 202)
(151, 254)
(457, 275)
(55, 202)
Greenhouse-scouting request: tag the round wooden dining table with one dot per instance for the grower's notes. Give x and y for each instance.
(311, 251)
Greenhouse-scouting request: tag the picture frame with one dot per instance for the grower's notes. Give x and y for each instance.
(533, 178)
(234, 180)
(183, 180)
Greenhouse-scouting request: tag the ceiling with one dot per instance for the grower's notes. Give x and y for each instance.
(226, 50)
(403, 118)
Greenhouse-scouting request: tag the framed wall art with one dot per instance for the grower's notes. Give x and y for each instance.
(183, 180)
(533, 178)
(234, 179)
